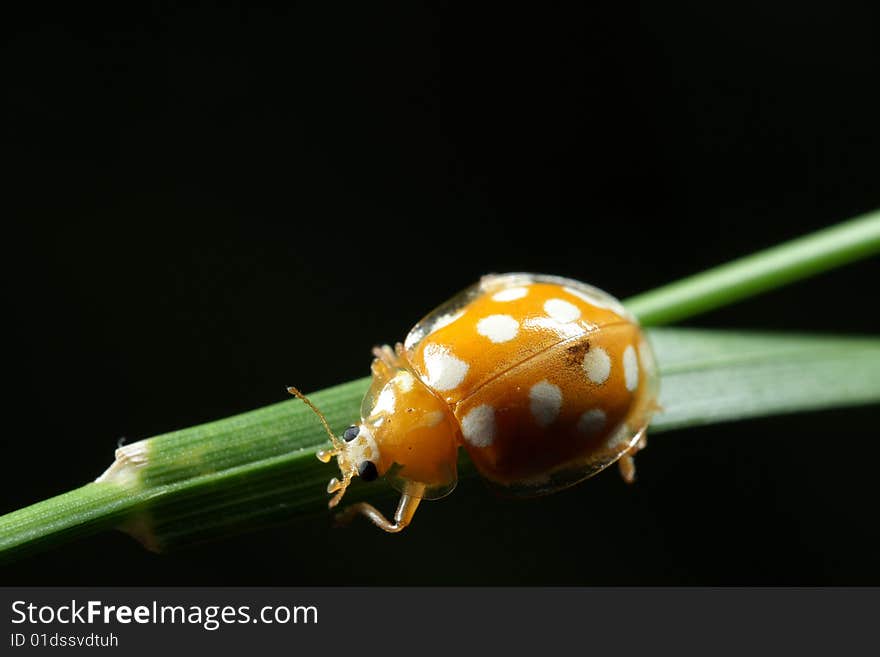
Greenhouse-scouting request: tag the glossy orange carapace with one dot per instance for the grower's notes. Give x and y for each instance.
(543, 380)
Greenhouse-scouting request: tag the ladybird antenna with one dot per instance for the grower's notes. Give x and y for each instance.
(337, 444)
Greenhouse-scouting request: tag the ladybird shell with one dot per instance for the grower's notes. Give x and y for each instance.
(551, 380)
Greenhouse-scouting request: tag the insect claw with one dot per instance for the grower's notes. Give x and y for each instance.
(335, 499)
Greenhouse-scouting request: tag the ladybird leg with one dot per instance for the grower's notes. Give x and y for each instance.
(338, 487)
(386, 361)
(400, 353)
(388, 356)
(406, 509)
(627, 466)
(627, 463)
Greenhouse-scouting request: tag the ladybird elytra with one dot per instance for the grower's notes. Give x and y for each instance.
(543, 380)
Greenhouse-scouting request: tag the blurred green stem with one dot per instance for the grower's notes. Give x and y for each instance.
(749, 276)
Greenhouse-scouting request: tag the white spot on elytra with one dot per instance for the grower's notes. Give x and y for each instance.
(445, 320)
(445, 371)
(510, 294)
(564, 331)
(417, 334)
(498, 328)
(630, 368)
(545, 400)
(591, 422)
(404, 381)
(386, 401)
(561, 311)
(478, 426)
(597, 365)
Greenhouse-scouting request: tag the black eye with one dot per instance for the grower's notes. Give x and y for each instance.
(351, 433)
(367, 470)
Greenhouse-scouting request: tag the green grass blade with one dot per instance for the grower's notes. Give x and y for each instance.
(717, 376)
(259, 467)
(759, 272)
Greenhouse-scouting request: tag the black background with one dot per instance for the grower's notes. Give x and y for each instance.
(211, 202)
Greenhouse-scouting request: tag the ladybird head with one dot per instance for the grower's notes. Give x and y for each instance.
(406, 434)
(357, 452)
(357, 456)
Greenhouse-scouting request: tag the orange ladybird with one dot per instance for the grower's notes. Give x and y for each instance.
(544, 381)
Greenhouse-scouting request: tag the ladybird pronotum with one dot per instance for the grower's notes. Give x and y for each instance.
(544, 381)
